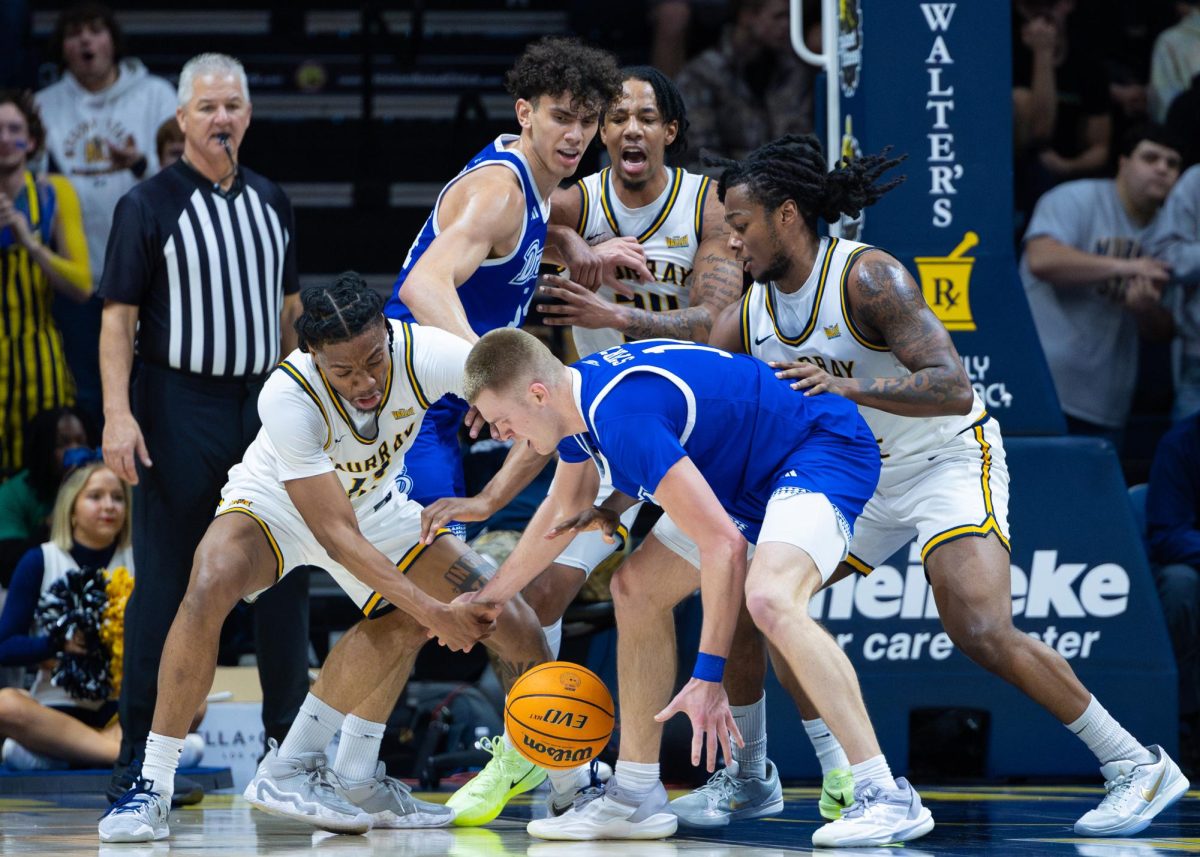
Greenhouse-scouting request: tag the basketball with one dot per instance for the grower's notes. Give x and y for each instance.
(559, 715)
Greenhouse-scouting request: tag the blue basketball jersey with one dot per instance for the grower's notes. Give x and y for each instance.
(500, 291)
(647, 404)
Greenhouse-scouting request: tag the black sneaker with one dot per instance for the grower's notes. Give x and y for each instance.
(187, 791)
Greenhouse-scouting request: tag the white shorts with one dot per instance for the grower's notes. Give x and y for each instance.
(957, 490)
(393, 526)
(587, 550)
(801, 519)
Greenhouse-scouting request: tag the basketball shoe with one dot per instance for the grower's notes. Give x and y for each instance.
(605, 812)
(139, 815)
(390, 803)
(837, 793)
(1135, 794)
(878, 816)
(505, 776)
(727, 797)
(305, 789)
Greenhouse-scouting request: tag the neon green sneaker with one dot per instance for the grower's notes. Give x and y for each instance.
(507, 775)
(837, 793)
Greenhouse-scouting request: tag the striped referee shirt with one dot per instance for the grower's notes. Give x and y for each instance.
(207, 268)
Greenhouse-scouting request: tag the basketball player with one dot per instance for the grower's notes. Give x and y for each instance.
(657, 415)
(317, 487)
(689, 276)
(473, 268)
(944, 477)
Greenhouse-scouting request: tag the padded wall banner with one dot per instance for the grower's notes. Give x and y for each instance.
(933, 80)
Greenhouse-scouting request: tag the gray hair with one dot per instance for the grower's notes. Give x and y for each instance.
(222, 64)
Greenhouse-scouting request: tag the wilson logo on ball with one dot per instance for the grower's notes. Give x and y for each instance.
(559, 715)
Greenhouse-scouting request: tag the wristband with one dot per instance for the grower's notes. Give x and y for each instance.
(708, 667)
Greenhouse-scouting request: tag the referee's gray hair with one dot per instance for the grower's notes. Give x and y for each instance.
(507, 359)
(209, 64)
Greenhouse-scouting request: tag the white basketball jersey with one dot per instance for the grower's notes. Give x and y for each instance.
(813, 325)
(669, 229)
(308, 429)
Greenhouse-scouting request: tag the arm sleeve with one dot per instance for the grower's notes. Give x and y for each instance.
(1059, 214)
(128, 259)
(70, 261)
(162, 103)
(439, 358)
(17, 647)
(1171, 501)
(296, 428)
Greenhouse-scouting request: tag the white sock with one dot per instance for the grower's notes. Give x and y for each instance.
(1106, 737)
(638, 778)
(569, 781)
(751, 721)
(829, 752)
(161, 762)
(873, 770)
(553, 634)
(358, 751)
(314, 725)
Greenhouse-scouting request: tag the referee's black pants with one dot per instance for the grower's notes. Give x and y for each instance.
(196, 428)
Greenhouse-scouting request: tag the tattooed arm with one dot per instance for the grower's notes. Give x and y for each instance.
(716, 283)
(887, 307)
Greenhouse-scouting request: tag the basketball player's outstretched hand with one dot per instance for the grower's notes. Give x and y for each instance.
(475, 422)
(441, 512)
(595, 518)
(705, 704)
(807, 377)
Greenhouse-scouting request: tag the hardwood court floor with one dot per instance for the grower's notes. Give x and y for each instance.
(1021, 821)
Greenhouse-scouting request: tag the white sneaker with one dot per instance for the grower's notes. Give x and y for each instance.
(17, 757)
(304, 789)
(878, 816)
(1136, 793)
(609, 813)
(193, 750)
(139, 815)
(390, 803)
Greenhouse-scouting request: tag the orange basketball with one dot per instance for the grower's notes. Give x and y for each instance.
(559, 715)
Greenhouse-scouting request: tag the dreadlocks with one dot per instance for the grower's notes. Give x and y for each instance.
(793, 167)
(337, 312)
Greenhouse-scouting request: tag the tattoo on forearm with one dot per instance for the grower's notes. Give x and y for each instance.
(889, 302)
(469, 572)
(509, 671)
(715, 287)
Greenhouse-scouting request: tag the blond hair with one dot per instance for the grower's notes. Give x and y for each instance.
(504, 358)
(62, 525)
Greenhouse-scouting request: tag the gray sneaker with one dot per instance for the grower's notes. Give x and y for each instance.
(390, 803)
(304, 789)
(139, 815)
(727, 797)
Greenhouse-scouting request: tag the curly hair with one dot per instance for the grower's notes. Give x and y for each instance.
(23, 101)
(793, 167)
(553, 65)
(337, 312)
(670, 103)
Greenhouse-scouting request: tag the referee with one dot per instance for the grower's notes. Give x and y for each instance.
(201, 273)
